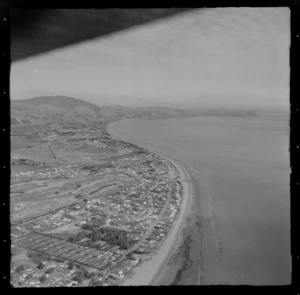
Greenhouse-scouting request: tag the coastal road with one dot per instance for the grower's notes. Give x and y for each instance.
(179, 224)
(149, 272)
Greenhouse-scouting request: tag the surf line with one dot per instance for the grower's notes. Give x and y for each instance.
(218, 244)
(212, 210)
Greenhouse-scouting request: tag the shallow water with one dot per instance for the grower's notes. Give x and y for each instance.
(242, 165)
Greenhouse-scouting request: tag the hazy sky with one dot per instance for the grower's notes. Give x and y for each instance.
(221, 55)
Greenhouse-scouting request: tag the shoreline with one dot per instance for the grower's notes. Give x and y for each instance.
(151, 272)
(179, 225)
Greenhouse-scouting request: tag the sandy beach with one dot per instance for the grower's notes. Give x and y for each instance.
(149, 272)
(175, 237)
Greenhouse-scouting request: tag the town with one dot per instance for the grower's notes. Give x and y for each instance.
(86, 208)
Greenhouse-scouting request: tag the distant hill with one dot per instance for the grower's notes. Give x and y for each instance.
(80, 113)
(59, 109)
(52, 109)
(114, 111)
(63, 102)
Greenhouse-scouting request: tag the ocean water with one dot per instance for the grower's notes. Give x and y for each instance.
(241, 167)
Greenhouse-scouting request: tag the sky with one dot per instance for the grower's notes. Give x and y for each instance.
(219, 56)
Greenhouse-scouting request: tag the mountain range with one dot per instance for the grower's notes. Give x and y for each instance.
(59, 109)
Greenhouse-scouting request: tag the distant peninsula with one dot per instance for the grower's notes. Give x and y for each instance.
(59, 109)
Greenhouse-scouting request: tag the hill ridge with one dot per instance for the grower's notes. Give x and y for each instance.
(64, 108)
(65, 102)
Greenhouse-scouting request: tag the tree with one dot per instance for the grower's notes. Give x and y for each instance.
(88, 275)
(86, 227)
(20, 268)
(70, 265)
(77, 278)
(95, 282)
(98, 247)
(124, 244)
(36, 257)
(40, 265)
(29, 276)
(89, 244)
(71, 239)
(50, 270)
(42, 278)
(57, 259)
(96, 236)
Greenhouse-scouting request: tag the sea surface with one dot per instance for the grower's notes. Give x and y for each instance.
(241, 231)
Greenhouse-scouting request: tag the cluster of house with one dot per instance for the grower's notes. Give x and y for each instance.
(134, 209)
(61, 171)
(49, 221)
(92, 135)
(74, 252)
(52, 274)
(28, 275)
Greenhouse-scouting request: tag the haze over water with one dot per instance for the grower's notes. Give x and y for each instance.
(242, 165)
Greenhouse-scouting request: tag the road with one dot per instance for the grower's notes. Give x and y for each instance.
(179, 224)
(149, 231)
